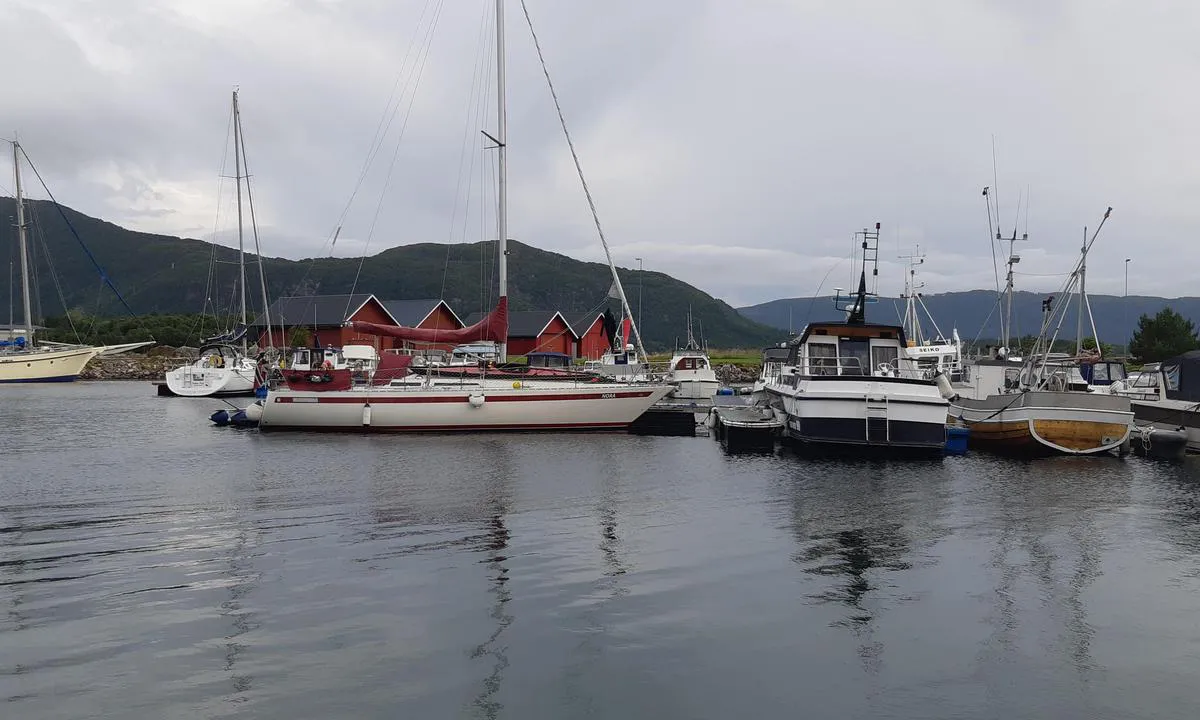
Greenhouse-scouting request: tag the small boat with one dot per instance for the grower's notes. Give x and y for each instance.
(745, 428)
(1166, 396)
(690, 371)
(1041, 405)
(1159, 443)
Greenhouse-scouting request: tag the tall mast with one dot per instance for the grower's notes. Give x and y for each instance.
(501, 165)
(237, 164)
(22, 243)
(1013, 259)
(1082, 296)
(262, 277)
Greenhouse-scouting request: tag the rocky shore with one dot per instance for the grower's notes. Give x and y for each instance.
(737, 374)
(131, 367)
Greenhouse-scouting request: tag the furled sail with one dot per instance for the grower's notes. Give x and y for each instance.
(493, 327)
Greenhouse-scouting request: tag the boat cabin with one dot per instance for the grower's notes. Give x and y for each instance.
(689, 362)
(1103, 372)
(548, 360)
(317, 359)
(829, 349)
(217, 356)
(1175, 379)
(936, 356)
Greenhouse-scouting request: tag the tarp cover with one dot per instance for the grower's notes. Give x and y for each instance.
(15, 342)
(493, 327)
(1182, 376)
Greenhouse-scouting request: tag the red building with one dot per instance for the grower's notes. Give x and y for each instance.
(536, 331)
(592, 342)
(429, 314)
(327, 318)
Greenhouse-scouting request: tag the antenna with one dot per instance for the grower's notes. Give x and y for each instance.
(911, 322)
(856, 310)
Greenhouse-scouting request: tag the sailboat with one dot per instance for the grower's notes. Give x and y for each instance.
(852, 385)
(1041, 405)
(23, 358)
(690, 371)
(222, 368)
(330, 400)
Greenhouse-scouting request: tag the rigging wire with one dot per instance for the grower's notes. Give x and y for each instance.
(40, 238)
(428, 45)
(583, 181)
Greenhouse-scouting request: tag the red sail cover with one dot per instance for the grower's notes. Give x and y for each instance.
(494, 327)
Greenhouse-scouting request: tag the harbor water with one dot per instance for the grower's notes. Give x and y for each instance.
(154, 566)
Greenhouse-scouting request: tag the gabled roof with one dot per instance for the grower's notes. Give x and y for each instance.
(318, 310)
(527, 323)
(582, 322)
(412, 313)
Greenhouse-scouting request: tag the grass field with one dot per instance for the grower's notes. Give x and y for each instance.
(742, 357)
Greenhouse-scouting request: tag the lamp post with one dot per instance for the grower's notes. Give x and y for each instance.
(1125, 306)
(639, 319)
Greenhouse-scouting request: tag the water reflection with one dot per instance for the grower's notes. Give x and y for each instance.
(855, 524)
(495, 545)
(1047, 546)
(243, 578)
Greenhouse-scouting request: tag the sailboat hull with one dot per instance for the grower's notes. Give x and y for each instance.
(192, 381)
(459, 409)
(1046, 423)
(45, 366)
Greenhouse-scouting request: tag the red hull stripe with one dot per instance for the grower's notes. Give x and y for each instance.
(449, 428)
(366, 398)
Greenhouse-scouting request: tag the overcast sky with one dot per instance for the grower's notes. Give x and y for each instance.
(735, 145)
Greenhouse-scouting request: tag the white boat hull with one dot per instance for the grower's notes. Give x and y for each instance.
(867, 411)
(192, 381)
(46, 365)
(695, 388)
(459, 409)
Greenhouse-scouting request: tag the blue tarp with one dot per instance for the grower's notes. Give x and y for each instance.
(15, 342)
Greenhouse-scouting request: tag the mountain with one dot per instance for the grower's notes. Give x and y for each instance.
(162, 274)
(1116, 317)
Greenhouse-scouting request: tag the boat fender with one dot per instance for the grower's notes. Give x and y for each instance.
(366, 415)
(220, 418)
(944, 386)
(476, 400)
(516, 384)
(1116, 387)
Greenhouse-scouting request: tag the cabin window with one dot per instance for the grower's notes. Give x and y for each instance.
(1100, 373)
(1171, 376)
(1116, 371)
(885, 355)
(822, 359)
(856, 354)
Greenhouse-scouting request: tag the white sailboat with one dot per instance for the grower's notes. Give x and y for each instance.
(221, 367)
(691, 371)
(388, 403)
(22, 358)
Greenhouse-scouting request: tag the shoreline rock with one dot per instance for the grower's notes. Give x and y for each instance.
(131, 367)
(737, 374)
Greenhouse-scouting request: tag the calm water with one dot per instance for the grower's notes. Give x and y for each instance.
(152, 566)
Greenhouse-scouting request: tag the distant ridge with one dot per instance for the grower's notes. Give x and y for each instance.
(1116, 317)
(164, 274)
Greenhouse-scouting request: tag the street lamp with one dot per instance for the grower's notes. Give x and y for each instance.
(1125, 306)
(639, 319)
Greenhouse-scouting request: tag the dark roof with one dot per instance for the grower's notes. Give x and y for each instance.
(318, 310)
(582, 322)
(524, 323)
(412, 312)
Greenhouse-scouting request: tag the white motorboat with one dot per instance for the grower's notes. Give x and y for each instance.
(852, 385)
(691, 372)
(390, 402)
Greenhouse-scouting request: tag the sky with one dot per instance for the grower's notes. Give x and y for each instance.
(736, 146)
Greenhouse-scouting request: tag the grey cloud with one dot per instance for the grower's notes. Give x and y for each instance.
(734, 145)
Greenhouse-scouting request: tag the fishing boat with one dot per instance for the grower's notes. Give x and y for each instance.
(852, 385)
(934, 354)
(690, 371)
(388, 402)
(1041, 405)
(223, 367)
(23, 358)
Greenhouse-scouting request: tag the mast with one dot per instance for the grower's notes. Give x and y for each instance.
(501, 165)
(912, 319)
(870, 249)
(1082, 295)
(1013, 259)
(262, 277)
(237, 164)
(22, 243)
